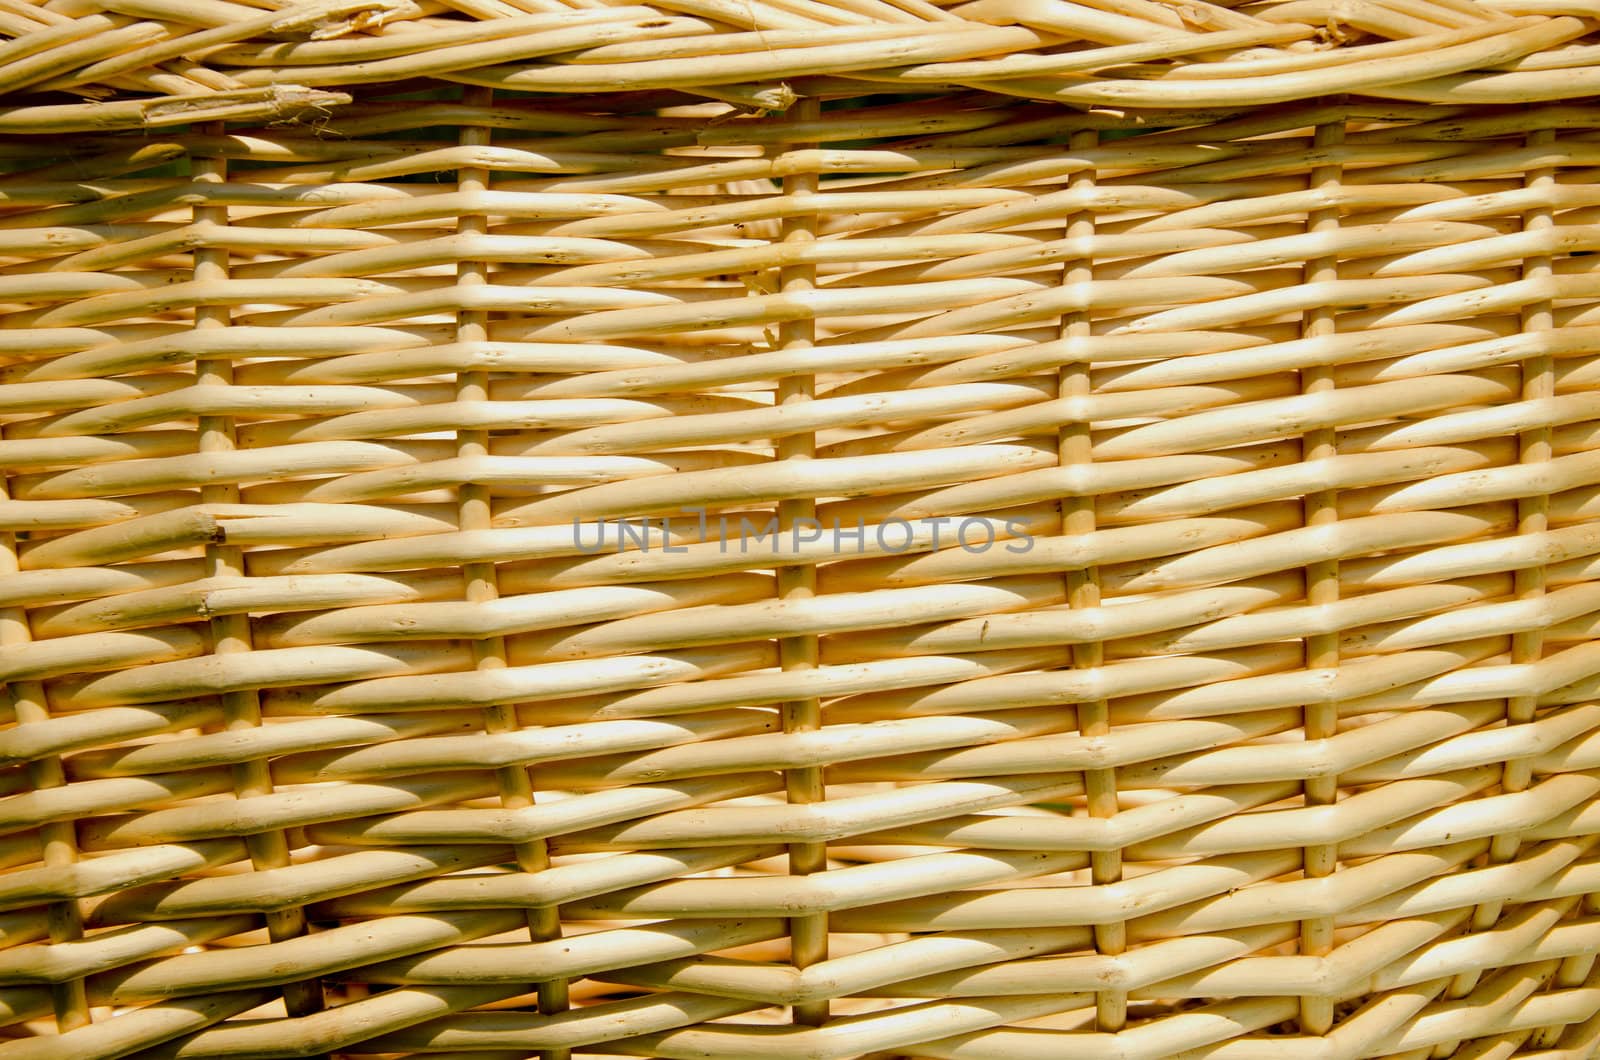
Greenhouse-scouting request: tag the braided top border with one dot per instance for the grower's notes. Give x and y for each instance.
(155, 63)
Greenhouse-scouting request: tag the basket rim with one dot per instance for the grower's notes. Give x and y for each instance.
(243, 63)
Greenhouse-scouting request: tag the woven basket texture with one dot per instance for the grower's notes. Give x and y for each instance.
(799, 529)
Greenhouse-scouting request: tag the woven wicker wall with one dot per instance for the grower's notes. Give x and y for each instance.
(813, 529)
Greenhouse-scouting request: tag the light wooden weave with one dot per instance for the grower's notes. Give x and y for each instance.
(1247, 359)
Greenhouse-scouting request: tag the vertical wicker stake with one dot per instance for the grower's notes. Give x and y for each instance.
(808, 934)
(1533, 517)
(1322, 576)
(1075, 445)
(1538, 382)
(58, 839)
(230, 633)
(482, 585)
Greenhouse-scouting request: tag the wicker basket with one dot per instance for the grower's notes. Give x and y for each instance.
(800, 529)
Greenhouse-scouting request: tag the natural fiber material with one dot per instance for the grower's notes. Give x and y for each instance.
(1027, 530)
